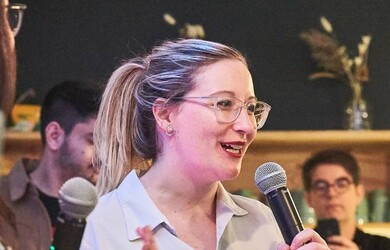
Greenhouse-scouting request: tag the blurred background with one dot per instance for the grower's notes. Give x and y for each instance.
(85, 39)
(88, 40)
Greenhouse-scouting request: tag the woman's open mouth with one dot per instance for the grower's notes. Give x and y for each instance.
(233, 149)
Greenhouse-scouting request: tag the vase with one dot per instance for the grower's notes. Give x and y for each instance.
(357, 114)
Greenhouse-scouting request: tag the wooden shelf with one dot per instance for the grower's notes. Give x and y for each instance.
(19, 144)
(12, 136)
(365, 139)
(377, 228)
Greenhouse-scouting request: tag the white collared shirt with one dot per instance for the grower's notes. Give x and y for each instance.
(242, 223)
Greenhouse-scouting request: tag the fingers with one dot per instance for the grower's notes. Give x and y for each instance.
(146, 235)
(308, 239)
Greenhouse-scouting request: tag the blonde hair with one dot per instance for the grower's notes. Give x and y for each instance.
(125, 133)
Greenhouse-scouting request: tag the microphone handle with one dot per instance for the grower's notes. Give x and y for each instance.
(68, 234)
(285, 213)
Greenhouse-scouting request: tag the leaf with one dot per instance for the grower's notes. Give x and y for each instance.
(319, 75)
(333, 59)
(169, 19)
(326, 24)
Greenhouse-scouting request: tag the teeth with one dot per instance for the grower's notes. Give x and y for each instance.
(236, 146)
(233, 148)
(235, 151)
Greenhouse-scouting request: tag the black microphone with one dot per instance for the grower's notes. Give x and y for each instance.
(77, 198)
(271, 179)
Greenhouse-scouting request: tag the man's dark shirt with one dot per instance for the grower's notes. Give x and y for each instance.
(52, 206)
(367, 241)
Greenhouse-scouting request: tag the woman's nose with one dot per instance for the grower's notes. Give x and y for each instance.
(245, 122)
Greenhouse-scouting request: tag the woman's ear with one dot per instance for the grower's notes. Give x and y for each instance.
(55, 135)
(162, 113)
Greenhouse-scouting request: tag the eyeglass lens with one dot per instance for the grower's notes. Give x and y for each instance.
(230, 108)
(340, 185)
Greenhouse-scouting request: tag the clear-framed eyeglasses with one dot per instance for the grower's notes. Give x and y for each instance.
(340, 186)
(227, 109)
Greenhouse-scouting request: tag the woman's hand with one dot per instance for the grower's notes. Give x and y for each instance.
(146, 235)
(308, 239)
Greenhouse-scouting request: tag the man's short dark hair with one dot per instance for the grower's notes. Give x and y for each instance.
(69, 103)
(330, 156)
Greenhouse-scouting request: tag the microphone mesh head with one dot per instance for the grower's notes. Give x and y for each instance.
(270, 176)
(77, 197)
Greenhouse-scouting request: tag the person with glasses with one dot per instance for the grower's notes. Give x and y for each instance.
(171, 126)
(332, 186)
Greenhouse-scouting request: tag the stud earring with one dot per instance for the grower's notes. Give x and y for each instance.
(170, 130)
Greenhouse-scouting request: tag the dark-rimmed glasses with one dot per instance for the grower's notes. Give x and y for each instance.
(227, 109)
(341, 185)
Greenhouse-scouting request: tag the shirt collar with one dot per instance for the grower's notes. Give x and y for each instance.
(19, 179)
(226, 209)
(226, 203)
(135, 200)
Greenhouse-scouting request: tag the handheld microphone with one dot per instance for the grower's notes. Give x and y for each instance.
(77, 198)
(271, 179)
